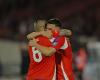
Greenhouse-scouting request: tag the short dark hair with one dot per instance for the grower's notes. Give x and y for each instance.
(55, 22)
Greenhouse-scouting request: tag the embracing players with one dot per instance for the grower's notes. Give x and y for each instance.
(60, 45)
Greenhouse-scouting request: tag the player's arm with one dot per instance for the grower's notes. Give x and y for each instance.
(65, 32)
(48, 51)
(35, 34)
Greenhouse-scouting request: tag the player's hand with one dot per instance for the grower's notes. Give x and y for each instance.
(32, 42)
(65, 32)
(47, 33)
(30, 36)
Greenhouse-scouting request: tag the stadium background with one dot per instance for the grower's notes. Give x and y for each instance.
(81, 16)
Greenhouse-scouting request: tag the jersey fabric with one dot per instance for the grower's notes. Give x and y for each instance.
(64, 65)
(41, 67)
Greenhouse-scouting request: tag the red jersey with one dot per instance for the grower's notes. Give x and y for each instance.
(64, 68)
(41, 67)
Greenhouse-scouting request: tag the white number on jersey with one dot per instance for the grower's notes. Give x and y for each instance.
(36, 53)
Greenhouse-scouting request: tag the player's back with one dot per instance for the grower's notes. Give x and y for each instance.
(41, 67)
(66, 61)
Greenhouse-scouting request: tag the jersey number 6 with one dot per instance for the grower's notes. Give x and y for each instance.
(37, 56)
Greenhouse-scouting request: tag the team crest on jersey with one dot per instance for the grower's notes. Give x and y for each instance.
(55, 43)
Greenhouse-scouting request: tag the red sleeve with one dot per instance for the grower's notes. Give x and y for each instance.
(59, 43)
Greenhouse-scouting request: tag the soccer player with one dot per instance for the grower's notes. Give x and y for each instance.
(41, 67)
(60, 45)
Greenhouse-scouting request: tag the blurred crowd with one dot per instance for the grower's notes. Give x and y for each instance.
(16, 20)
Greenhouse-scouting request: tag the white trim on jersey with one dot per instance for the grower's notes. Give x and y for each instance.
(65, 45)
(52, 39)
(64, 74)
(54, 76)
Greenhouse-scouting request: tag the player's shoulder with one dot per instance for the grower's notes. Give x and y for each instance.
(64, 38)
(61, 37)
(44, 41)
(42, 38)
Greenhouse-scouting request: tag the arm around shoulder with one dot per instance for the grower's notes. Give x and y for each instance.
(47, 51)
(33, 35)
